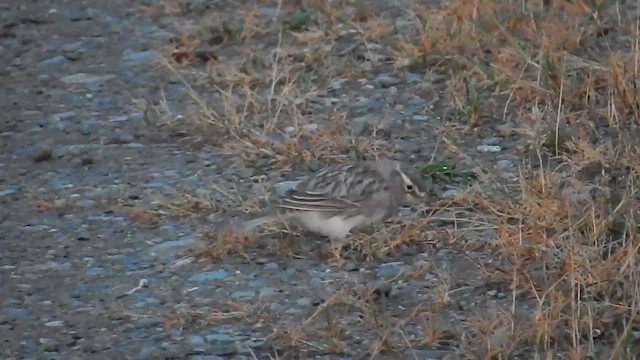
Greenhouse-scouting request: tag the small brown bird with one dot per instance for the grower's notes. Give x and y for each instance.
(340, 198)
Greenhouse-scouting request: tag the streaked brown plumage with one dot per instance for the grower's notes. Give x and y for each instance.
(340, 198)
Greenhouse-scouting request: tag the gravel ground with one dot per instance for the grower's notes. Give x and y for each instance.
(87, 274)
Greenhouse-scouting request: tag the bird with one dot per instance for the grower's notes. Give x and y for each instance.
(341, 198)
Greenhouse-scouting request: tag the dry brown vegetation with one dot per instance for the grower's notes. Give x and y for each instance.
(557, 79)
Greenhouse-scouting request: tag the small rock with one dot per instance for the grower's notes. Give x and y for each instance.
(412, 77)
(386, 80)
(304, 301)
(377, 104)
(85, 203)
(72, 51)
(56, 60)
(174, 247)
(491, 141)
(95, 271)
(314, 165)
(267, 292)
(488, 148)
(504, 164)
(419, 117)
(268, 11)
(195, 340)
(243, 294)
(49, 345)
(389, 270)
(148, 322)
(246, 173)
(148, 57)
(55, 323)
(84, 78)
(209, 276)
(8, 190)
(451, 194)
(492, 293)
(336, 84)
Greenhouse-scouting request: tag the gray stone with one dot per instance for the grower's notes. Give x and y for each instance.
(491, 141)
(412, 77)
(84, 78)
(95, 271)
(55, 323)
(148, 322)
(267, 292)
(243, 294)
(504, 164)
(222, 337)
(8, 190)
(148, 57)
(209, 276)
(85, 203)
(386, 80)
(304, 301)
(315, 165)
(268, 11)
(488, 148)
(195, 340)
(56, 60)
(336, 84)
(389, 270)
(175, 247)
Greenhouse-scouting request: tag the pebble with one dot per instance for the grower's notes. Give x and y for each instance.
(148, 57)
(84, 78)
(174, 247)
(195, 340)
(56, 60)
(504, 164)
(386, 80)
(243, 294)
(85, 203)
(389, 270)
(419, 117)
(491, 141)
(209, 276)
(488, 148)
(56, 323)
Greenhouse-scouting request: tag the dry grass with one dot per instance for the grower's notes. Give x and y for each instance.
(557, 78)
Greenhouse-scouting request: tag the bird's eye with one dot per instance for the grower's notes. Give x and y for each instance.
(408, 187)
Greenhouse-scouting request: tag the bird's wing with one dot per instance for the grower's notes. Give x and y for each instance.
(319, 201)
